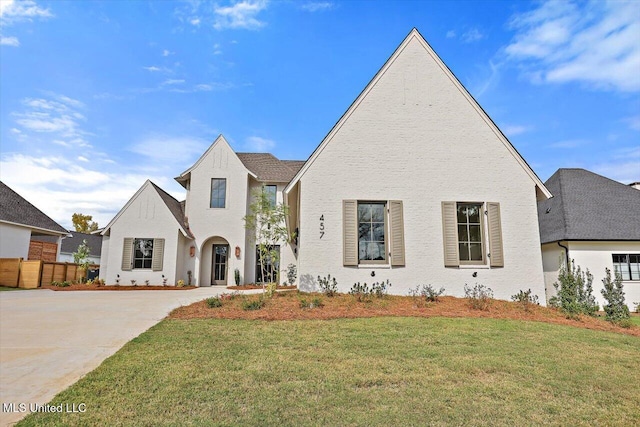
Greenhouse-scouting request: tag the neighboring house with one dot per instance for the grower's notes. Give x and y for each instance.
(20, 221)
(414, 184)
(594, 221)
(70, 246)
(203, 239)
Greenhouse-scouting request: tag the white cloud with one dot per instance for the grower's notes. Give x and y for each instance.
(166, 52)
(633, 122)
(152, 68)
(216, 49)
(472, 35)
(451, 34)
(59, 186)
(594, 43)
(569, 143)
(9, 41)
(258, 144)
(241, 15)
(317, 6)
(625, 171)
(195, 21)
(16, 11)
(513, 130)
(172, 82)
(163, 151)
(83, 159)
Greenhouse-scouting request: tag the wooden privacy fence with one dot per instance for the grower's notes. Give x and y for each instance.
(16, 272)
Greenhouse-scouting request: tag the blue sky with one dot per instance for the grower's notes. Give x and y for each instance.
(96, 97)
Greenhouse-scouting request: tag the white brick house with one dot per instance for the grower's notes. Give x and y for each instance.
(414, 184)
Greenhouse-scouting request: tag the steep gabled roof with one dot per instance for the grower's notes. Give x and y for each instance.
(16, 210)
(587, 206)
(268, 168)
(541, 190)
(175, 207)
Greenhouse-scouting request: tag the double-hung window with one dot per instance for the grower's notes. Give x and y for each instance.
(627, 266)
(218, 192)
(373, 232)
(142, 254)
(472, 234)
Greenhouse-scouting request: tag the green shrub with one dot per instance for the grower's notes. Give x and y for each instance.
(525, 299)
(380, 289)
(63, 284)
(328, 286)
(236, 276)
(315, 303)
(616, 309)
(479, 297)
(214, 302)
(292, 273)
(270, 289)
(253, 304)
(361, 292)
(637, 307)
(575, 292)
(425, 292)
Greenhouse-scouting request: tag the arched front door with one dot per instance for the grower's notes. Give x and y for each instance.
(219, 264)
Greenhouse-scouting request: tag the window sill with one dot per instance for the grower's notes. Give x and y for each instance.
(374, 266)
(474, 267)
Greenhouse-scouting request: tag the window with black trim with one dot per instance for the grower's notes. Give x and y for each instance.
(142, 253)
(627, 266)
(218, 192)
(271, 191)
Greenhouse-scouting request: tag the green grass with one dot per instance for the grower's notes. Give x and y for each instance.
(6, 288)
(361, 372)
(635, 319)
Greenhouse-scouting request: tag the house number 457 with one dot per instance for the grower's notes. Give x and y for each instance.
(321, 226)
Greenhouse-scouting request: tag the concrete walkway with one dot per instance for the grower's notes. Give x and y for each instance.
(49, 339)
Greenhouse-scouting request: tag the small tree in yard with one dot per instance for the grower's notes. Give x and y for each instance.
(267, 221)
(83, 223)
(575, 291)
(81, 256)
(616, 309)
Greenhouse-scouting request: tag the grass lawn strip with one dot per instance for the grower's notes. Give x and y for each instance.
(372, 371)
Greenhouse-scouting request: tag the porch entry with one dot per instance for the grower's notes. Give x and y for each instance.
(219, 264)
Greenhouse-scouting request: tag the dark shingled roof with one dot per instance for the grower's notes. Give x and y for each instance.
(269, 168)
(94, 241)
(175, 207)
(587, 206)
(14, 208)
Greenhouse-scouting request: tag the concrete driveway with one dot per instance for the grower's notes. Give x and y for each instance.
(49, 339)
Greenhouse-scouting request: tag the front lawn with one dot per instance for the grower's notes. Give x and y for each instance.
(370, 371)
(7, 288)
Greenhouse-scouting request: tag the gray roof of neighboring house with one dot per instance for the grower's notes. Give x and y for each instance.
(269, 168)
(94, 241)
(175, 207)
(587, 206)
(14, 208)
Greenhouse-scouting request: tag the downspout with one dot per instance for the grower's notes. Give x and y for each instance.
(566, 253)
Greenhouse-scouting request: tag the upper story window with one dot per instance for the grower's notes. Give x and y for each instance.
(271, 191)
(470, 247)
(627, 266)
(218, 192)
(372, 232)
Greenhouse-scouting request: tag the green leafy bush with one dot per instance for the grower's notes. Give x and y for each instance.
(214, 302)
(253, 304)
(616, 308)
(270, 289)
(362, 293)
(575, 292)
(328, 285)
(525, 299)
(424, 294)
(63, 284)
(380, 289)
(315, 303)
(479, 297)
(292, 273)
(236, 276)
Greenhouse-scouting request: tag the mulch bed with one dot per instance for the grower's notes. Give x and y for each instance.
(83, 287)
(286, 306)
(253, 286)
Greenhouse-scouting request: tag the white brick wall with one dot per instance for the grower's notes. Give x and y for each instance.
(414, 137)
